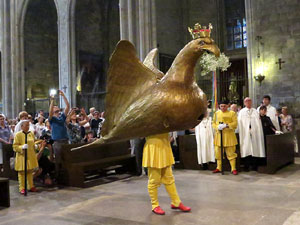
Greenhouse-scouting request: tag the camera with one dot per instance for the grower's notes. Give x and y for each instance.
(77, 111)
(47, 137)
(53, 92)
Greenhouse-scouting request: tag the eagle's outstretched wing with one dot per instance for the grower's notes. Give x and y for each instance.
(149, 61)
(127, 79)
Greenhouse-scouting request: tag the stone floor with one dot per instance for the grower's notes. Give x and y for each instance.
(249, 198)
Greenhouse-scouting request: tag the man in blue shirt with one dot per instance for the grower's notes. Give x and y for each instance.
(58, 129)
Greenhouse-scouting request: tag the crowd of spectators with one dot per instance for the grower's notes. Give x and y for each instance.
(71, 125)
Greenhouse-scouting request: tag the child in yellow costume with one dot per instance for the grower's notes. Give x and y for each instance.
(19, 146)
(158, 158)
(227, 122)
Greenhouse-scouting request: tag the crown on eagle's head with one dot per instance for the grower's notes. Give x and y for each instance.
(200, 32)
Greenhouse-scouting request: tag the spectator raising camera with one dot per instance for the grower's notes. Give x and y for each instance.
(59, 131)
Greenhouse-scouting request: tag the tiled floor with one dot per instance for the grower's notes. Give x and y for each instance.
(249, 198)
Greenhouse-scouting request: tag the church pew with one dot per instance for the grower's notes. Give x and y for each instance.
(7, 154)
(188, 155)
(188, 152)
(84, 167)
(279, 151)
(4, 192)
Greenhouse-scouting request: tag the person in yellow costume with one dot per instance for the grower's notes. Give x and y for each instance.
(32, 163)
(158, 158)
(227, 122)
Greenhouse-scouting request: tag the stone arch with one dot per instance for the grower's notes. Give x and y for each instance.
(21, 14)
(32, 68)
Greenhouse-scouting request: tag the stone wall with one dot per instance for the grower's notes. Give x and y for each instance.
(170, 27)
(97, 29)
(278, 23)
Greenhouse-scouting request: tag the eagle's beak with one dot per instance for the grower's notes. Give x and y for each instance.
(213, 48)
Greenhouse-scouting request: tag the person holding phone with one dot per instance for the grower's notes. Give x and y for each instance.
(58, 127)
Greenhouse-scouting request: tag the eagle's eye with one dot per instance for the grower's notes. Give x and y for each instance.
(202, 43)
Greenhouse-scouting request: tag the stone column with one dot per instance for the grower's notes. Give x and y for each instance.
(138, 24)
(6, 58)
(64, 46)
(17, 8)
(11, 66)
(12, 50)
(250, 53)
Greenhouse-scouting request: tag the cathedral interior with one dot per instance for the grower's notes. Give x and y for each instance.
(67, 45)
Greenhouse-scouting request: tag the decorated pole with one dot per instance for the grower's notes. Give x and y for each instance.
(222, 153)
(25, 165)
(215, 92)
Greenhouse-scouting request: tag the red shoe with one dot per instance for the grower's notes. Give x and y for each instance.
(33, 189)
(234, 172)
(182, 207)
(216, 171)
(157, 210)
(22, 192)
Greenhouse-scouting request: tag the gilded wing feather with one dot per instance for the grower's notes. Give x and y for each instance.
(127, 79)
(149, 61)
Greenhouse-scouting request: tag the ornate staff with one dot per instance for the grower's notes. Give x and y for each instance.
(222, 161)
(25, 164)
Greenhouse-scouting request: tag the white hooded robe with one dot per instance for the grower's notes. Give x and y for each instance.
(251, 133)
(205, 141)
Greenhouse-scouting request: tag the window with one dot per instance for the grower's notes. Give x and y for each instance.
(237, 34)
(235, 24)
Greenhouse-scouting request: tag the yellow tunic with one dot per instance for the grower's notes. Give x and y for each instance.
(229, 137)
(158, 152)
(19, 141)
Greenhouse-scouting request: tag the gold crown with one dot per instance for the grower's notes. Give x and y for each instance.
(200, 32)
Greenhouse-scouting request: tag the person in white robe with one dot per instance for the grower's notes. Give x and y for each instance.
(271, 111)
(250, 131)
(205, 141)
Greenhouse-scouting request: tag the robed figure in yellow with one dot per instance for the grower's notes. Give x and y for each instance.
(225, 121)
(158, 158)
(19, 147)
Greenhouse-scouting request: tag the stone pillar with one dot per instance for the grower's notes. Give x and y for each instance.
(13, 92)
(64, 46)
(250, 53)
(73, 62)
(138, 24)
(6, 58)
(17, 12)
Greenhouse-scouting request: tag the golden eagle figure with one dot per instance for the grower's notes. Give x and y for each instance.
(142, 101)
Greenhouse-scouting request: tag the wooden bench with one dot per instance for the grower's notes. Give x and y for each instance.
(7, 171)
(279, 151)
(188, 155)
(4, 192)
(83, 168)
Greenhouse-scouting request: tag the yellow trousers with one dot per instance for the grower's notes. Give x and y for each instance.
(156, 177)
(21, 178)
(231, 156)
